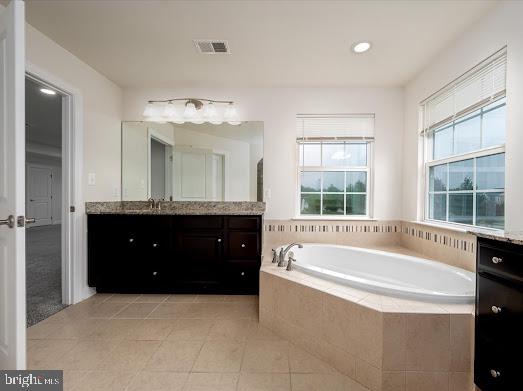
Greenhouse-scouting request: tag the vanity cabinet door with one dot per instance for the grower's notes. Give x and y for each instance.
(198, 261)
(241, 278)
(244, 245)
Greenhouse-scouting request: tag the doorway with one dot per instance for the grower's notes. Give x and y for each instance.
(43, 161)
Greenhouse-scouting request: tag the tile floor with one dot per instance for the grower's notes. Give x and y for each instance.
(174, 342)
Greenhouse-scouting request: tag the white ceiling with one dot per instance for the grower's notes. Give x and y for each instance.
(43, 116)
(273, 43)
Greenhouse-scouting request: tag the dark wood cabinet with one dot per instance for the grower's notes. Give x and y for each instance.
(174, 254)
(499, 316)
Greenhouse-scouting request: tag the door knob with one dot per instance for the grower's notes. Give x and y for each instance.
(30, 220)
(10, 221)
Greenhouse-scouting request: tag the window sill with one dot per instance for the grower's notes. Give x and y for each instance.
(333, 218)
(457, 227)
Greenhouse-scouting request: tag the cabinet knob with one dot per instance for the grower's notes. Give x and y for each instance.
(497, 260)
(155, 273)
(131, 240)
(496, 309)
(219, 240)
(494, 373)
(243, 245)
(242, 273)
(155, 244)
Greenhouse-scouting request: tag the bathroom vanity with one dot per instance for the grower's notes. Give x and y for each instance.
(184, 247)
(499, 312)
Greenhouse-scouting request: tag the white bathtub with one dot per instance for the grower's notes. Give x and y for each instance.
(386, 273)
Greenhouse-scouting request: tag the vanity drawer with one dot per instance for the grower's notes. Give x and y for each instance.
(242, 277)
(244, 245)
(200, 222)
(499, 311)
(496, 369)
(502, 262)
(246, 223)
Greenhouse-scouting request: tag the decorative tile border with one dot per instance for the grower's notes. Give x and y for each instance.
(448, 238)
(378, 227)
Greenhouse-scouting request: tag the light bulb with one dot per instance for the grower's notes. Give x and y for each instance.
(231, 115)
(209, 111)
(169, 111)
(197, 118)
(151, 110)
(190, 110)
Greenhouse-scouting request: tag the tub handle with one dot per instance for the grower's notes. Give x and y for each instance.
(274, 257)
(494, 373)
(496, 309)
(497, 260)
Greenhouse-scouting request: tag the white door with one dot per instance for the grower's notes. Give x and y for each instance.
(39, 194)
(12, 187)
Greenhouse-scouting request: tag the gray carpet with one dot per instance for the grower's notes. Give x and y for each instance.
(43, 272)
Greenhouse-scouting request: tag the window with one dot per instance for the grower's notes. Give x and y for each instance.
(465, 149)
(334, 178)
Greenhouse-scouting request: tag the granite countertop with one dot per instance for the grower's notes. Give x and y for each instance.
(177, 208)
(509, 237)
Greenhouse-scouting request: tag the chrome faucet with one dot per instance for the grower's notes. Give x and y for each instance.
(274, 256)
(284, 251)
(290, 261)
(152, 203)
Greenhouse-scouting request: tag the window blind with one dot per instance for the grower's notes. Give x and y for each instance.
(483, 83)
(334, 127)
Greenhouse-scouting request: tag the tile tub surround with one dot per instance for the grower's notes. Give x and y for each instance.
(448, 246)
(384, 343)
(177, 208)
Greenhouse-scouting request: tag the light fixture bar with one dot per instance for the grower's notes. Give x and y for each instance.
(191, 99)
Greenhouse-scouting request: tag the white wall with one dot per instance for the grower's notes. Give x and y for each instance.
(277, 108)
(499, 28)
(102, 104)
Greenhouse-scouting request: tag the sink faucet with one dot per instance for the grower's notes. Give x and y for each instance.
(284, 251)
(152, 203)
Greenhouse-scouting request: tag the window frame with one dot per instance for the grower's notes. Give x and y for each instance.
(428, 150)
(368, 169)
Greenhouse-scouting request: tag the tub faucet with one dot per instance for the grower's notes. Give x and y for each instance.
(284, 251)
(290, 261)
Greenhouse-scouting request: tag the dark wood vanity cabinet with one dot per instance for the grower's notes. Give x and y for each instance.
(174, 254)
(499, 316)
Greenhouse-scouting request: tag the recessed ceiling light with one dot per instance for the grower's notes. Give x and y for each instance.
(47, 91)
(361, 47)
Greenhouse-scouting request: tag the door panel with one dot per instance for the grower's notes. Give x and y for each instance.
(40, 194)
(12, 187)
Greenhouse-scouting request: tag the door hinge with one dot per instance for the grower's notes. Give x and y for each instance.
(72, 209)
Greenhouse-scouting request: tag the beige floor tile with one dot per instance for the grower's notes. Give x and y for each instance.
(266, 357)
(201, 310)
(136, 310)
(236, 329)
(212, 382)
(113, 328)
(264, 382)
(181, 299)
(105, 381)
(130, 355)
(241, 299)
(72, 379)
(324, 382)
(236, 311)
(48, 354)
(301, 361)
(43, 329)
(88, 355)
(123, 298)
(219, 356)
(176, 356)
(158, 381)
(427, 381)
(257, 331)
(190, 329)
(210, 299)
(77, 328)
(151, 298)
(105, 310)
(151, 329)
(393, 381)
(169, 310)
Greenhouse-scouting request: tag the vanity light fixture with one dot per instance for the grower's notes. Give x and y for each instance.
(47, 91)
(196, 111)
(361, 47)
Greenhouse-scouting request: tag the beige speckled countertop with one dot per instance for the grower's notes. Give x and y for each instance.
(509, 237)
(177, 208)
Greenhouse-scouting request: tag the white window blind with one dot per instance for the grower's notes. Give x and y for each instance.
(335, 127)
(483, 83)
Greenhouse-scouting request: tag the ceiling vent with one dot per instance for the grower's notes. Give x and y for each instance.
(210, 46)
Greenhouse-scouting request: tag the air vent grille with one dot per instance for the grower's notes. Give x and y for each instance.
(210, 46)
